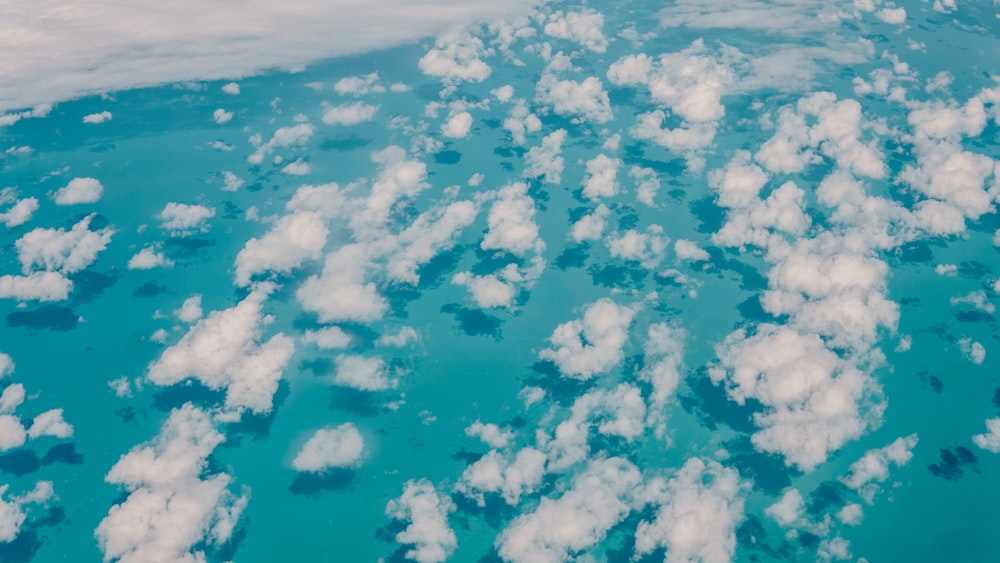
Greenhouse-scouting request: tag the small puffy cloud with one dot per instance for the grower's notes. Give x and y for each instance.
(11, 398)
(587, 99)
(97, 117)
(600, 179)
(400, 177)
(182, 219)
(359, 85)
(546, 159)
(222, 116)
(894, 16)
(699, 510)
(147, 259)
(991, 439)
(232, 88)
(292, 240)
(36, 286)
(180, 511)
(349, 114)
(789, 509)
(20, 212)
(12, 432)
(688, 250)
(511, 476)
(12, 513)
(50, 423)
(426, 512)
(972, 350)
(521, 121)
(512, 226)
(646, 247)
(455, 58)
(6, 365)
(491, 434)
(458, 125)
(339, 446)
(231, 182)
(361, 373)
(398, 339)
(873, 467)
(560, 528)
(61, 250)
(78, 191)
(583, 27)
(851, 514)
(328, 338)
(190, 310)
(585, 347)
(295, 135)
(222, 352)
(591, 226)
(340, 292)
(488, 291)
(430, 233)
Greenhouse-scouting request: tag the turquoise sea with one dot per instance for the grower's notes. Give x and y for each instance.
(472, 362)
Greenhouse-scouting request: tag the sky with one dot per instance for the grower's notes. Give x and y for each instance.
(525, 282)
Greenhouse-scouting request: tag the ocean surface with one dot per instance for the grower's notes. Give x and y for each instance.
(933, 498)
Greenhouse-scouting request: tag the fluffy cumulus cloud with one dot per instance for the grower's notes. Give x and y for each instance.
(349, 114)
(147, 259)
(181, 509)
(50, 423)
(456, 58)
(340, 292)
(283, 137)
(591, 226)
(292, 240)
(12, 432)
(79, 191)
(511, 476)
(546, 160)
(583, 27)
(182, 219)
(601, 181)
(18, 211)
(873, 467)
(812, 398)
(990, 440)
(197, 41)
(511, 220)
(430, 233)
(500, 288)
(458, 125)
(426, 511)
(61, 250)
(699, 510)
(222, 351)
(36, 286)
(339, 446)
(586, 347)
(12, 512)
(646, 247)
(584, 100)
(789, 509)
(560, 528)
(361, 373)
(99, 117)
(328, 338)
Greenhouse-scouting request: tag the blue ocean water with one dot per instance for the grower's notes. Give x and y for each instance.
(472, 363)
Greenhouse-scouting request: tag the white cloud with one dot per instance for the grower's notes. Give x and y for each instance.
(339, 446)
(498, 473)
(190, 310)
(583, 27)
(147, 259)
(230, 182)
(431, 232)
(284, 137)
(789, 509)
(851, 514)
(328, 338)
(221, 116)
(292, 240)
(401, 338)
(349, 114)
(521, 121)
(991, 439)
(12, 432)
(339, 292)
(426, 510)
(194, 41)
(11, 398)
(977, 299)
(61, 250)
(179, 510)
(546, 159)
(647, 247)
(972, 350)
(586, 347)
(812, 398)
(12, 513)
(361, 373)
(36, 286)
(97, 117)
(231, 88)
(78, 191)
(491, 434)
(512, 227)
(222, 352)
(894, 16)
(587, 99)
(873, 467)
(20, 212)
(359, 85)
(591, 226)
(700, 508)
(455, 58)
(559, 528)
(50, 423)
(600, 179)
(488, 291)
(459, 124)
(400, 177)
(182, 219)
(664, 351)
(945, 6)
(6, 365)
(688, 250)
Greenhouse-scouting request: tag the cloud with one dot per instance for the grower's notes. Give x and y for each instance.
(455, 59)
(359, 85)
(521, 121)
(431, 232)
(991, 439)
(222, 352)
(230, 182)
(6, 365)
(20, 212)
(647, 247)
(339, 446)
(587, 99)
(512, 227)
(179, 509)
(873, 467)
(458, 126)
(292, 240)
(12, 513)
(11, 398)
(339, 293)
(221, 116)
(894, 16)
(546, 159)
(328, 338)
(147, 259)
(61, 250)
(688, 250)
(663, 360)
(491, 434)
(97, 117)
(190, 310)
(789, 509)
(509, 475)
(36, 286)
(699, 510)
(559, 528)
(349, 114)
(583, 27)
(284, 137)
(500, 288)
(182, 219)
(972, 350)
(426, 510)
(12, 432)
(401, 338)
(79, 191)
(586, 347)
(400, 177)
(600, 179)
(232, 88)
(50, 423)
(591, 226)
(361, 373)
(199, 41)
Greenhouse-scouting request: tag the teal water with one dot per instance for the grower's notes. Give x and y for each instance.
(470, 363)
